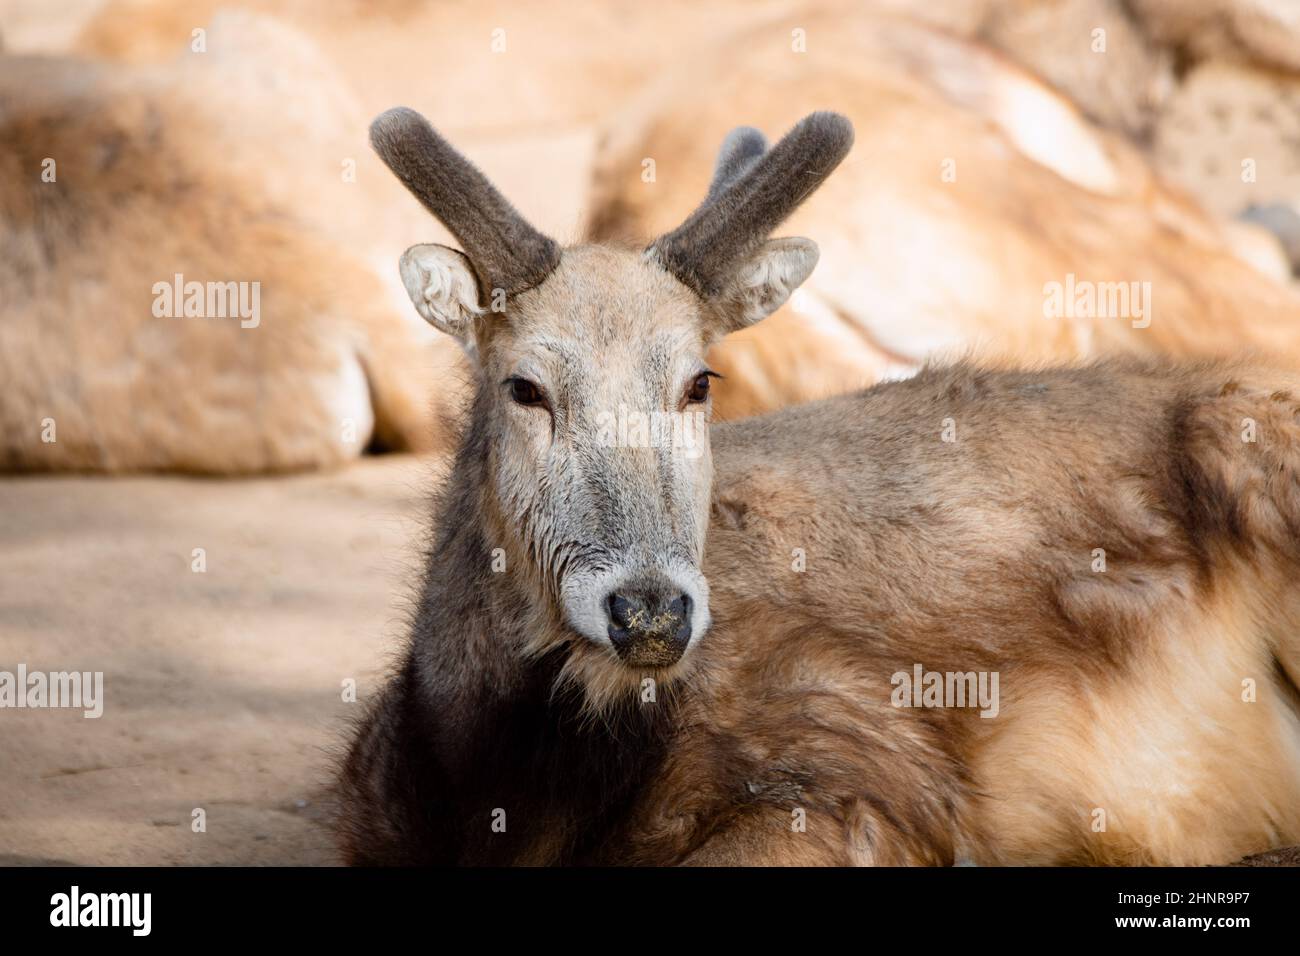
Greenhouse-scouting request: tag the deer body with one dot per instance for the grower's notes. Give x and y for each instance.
(1121, 689)
(627, 653)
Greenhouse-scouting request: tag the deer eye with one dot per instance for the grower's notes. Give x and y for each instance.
(699, 390)
(525, 392)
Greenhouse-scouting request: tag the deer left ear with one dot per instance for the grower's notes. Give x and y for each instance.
(441, 284)
(763, 283)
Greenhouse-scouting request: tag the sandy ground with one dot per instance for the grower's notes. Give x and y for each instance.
(222, 689)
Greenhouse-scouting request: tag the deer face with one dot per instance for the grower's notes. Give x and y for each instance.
(593, 384)
(599, 396)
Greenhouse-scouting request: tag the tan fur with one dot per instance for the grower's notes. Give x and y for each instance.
(1224, 115)
(1186, 773)
(1265, 32)
(1141, 714)
(913, 265)
(1201, 86)
(1008, 225)
(1122, 85)
(162, 172)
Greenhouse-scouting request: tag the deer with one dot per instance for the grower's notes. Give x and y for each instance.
(134, 239)
(740, 650)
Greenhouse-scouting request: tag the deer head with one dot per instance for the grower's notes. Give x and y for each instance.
(593, 391)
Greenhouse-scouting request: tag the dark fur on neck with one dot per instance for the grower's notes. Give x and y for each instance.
(469, 726)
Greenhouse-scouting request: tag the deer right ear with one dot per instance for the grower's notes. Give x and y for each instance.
(720, 252)
(763, 283)
(441, 283)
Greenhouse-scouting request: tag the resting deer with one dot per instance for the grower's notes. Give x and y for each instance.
(951, 155)
(641, 652)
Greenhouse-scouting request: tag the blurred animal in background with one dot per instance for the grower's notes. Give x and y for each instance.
(177, 291)
(1023, 189)
(1210, 89)
(978, 213)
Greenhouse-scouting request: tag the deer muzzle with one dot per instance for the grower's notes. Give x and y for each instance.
(649, 626)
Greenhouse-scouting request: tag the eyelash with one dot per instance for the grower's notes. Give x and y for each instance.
(702, 377)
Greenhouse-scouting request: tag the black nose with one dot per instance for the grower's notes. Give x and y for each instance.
(649, 628)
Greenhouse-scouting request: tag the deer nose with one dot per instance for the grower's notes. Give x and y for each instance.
(649, 628)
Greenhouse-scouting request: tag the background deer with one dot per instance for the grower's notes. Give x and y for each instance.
(265, 125)
(632, 654)
(939, 236)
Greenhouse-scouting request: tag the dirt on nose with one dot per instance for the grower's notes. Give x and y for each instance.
(656, 639)
(663, 625)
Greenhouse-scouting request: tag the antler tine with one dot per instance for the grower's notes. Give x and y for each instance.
(742, 146)
(730, 225)
(505, 251)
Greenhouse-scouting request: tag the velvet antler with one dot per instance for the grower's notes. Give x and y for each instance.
(741, 147)
(504, 250)
(752, 193)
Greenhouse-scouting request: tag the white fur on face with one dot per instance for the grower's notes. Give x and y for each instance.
(583, 594)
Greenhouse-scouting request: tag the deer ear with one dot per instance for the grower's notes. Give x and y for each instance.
(441, 283)
(763, 283)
